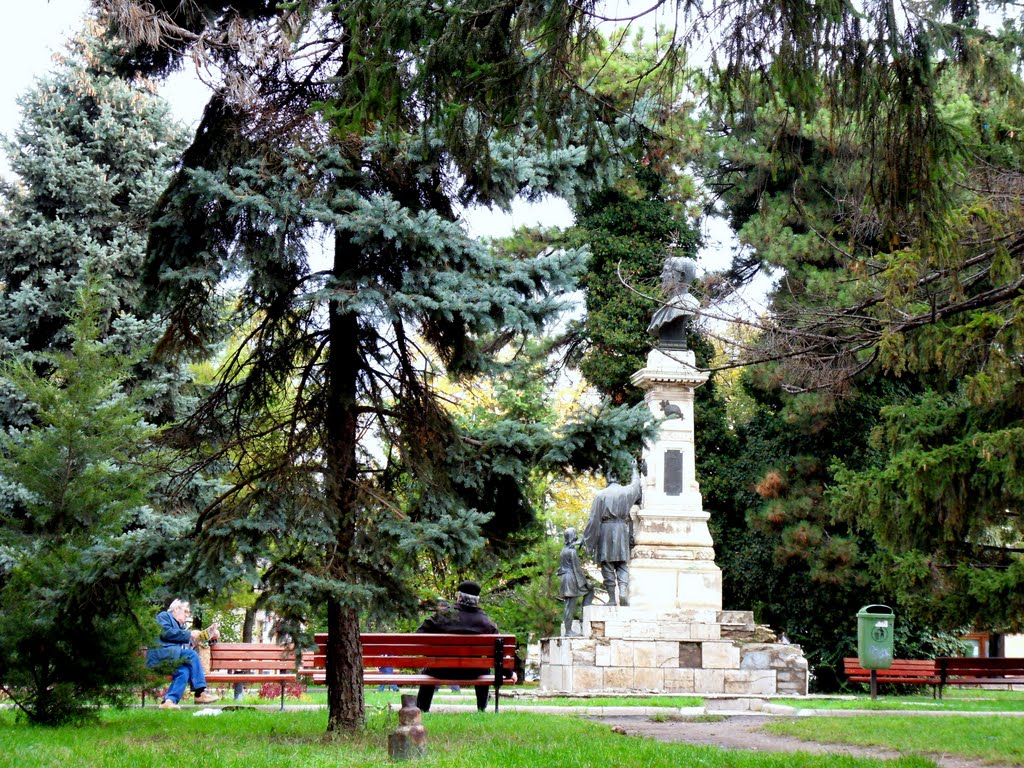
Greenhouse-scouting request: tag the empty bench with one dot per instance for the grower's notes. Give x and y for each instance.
(492, 657)
(902, 672)
(255, 663)
(983, 670)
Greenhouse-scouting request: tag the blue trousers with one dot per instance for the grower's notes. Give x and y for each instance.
(189, 672)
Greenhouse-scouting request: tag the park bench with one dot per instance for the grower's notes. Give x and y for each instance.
(902, 671)
(491, 656)
(254, 663)
(984, 670)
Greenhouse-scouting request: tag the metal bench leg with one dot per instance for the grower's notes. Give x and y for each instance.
(282, 696)
(499, 669)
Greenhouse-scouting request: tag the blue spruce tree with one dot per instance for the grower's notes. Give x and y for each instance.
(328, 179)
(82, 521)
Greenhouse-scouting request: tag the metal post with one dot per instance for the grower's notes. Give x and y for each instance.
(874, 684)
(499, 669)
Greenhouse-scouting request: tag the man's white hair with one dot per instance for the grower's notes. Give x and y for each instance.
(177, 603)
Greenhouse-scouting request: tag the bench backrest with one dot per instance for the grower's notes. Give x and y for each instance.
(256, 657)
(420, 651)
(982, 666)
(899, 668)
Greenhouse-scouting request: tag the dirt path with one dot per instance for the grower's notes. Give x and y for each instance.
(745, 732)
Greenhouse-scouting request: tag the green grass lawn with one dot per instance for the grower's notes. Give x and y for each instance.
(998, 739)
(153, 738)
(518, 697)
(955, 700)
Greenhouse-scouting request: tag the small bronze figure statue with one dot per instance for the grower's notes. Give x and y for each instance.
(572, 581)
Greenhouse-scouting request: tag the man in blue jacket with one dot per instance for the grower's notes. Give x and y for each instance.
(175, 645)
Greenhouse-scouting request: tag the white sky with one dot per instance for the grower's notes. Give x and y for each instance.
(33, 30)
(30, 34)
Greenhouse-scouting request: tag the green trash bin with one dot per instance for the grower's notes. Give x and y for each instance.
(875, 624)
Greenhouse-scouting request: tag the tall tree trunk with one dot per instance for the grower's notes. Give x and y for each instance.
(248, 624)
(345, 708)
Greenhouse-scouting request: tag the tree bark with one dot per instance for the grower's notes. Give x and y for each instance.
(344, 661)
(248, 625)
(345, 707)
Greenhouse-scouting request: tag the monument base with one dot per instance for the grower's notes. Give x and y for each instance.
(673, 584)
(698, 651)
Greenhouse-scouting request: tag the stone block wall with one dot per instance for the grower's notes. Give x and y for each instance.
(629, 650)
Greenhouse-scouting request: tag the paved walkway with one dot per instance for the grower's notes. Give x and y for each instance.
(745, 732)
(739, 724)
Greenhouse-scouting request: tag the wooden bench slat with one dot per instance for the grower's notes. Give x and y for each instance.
(242, 665)
(429, 649)
(981, 670)
(413, 638)
(432, 662)
(943, 671)
(984, 666)
(217, 677)
(379, 678)
(901, 672)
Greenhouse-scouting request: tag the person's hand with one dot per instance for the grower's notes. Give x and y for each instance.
(195, 634)
(214, 632)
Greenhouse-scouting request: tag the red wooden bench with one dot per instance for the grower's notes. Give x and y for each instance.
(254, 663)
(902, 671)
(983, 670)
(491, 656)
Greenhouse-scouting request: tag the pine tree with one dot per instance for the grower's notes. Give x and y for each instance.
(876, 314)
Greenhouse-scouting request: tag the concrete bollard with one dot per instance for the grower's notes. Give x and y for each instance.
(410, 738)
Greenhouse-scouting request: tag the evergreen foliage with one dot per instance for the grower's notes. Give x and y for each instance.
(944, 503)
(78, 538)
(903, 308)
(82, 537)
(630, 236)
(91, 154)
(369, 124)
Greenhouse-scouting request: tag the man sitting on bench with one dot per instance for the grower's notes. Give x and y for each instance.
(466, 617)
(175, 646)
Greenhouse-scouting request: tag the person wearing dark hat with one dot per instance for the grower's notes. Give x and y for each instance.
(464, 617)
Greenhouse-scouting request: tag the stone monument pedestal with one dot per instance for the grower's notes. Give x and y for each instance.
(673, 561)
(691, 651)
(673, 637)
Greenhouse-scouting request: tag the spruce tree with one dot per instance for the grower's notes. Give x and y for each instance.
(78, 536)
(371, 124)
(91, 155)
(82, 524)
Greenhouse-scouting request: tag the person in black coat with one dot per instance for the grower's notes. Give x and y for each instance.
(465, 617)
